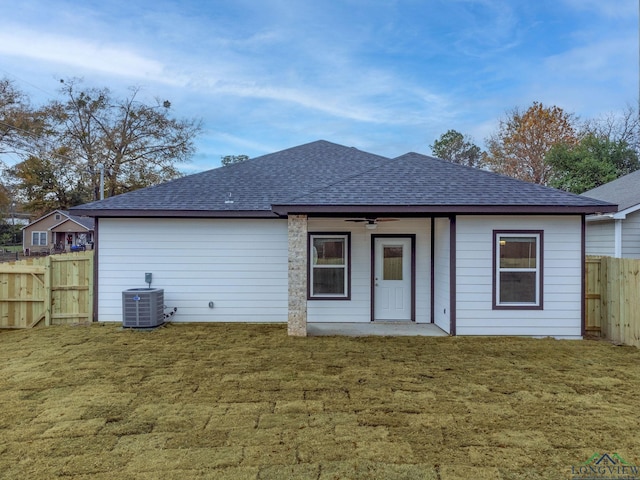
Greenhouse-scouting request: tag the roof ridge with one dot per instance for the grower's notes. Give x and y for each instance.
(344, 179)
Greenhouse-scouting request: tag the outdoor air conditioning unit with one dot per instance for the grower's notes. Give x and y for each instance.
(143, 307)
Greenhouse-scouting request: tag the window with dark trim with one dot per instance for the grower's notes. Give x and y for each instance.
(517, 269)
(39, 238)
(329, 266)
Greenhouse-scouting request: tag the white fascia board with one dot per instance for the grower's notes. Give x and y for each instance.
(45, 216)
(600, 217)
(69, 219)
(621, 215)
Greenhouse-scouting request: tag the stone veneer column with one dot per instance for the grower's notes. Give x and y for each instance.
(297, 324)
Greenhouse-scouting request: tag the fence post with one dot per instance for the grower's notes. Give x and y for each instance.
(605, 324)
(634, 310)
(48, 291)
(593, 297)
(624, 291)
(613, 293)
(90, 280)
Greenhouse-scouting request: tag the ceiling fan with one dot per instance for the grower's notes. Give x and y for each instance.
(371, 220)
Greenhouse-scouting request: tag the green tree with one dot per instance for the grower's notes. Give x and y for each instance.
(523, 139)
(17, 121)
(48, 181)
(231, 159)
(455, 147)
(592, 162)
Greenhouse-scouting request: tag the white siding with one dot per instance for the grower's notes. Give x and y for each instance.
(600, 238)
(631, 235)
(561, 316)
(442, 274)
(240, 265)
(358, 309)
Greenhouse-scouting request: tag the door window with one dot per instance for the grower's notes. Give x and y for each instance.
(392, 262)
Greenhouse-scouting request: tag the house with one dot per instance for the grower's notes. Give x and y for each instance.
(18, 219)
(57, 231)
(616, 234)
(327, 233)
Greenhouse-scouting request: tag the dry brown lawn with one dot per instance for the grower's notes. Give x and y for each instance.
(248, 402)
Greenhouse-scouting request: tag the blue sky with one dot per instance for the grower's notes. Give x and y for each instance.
(386, 76)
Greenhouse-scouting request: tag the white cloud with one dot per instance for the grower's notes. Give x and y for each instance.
(242, 144)
(83, 54)
(593, 78)
(371, 96)
(374, 101)
(377, 75)
(303, 98)
(486, 28)
(320, 74)
(596, 59)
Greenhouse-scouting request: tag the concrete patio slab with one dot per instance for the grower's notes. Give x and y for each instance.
(385, 329)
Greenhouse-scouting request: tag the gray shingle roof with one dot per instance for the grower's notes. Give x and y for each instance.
(326, 177)
(415, 179)
(624, 191)
(87, 222)
(253, 185)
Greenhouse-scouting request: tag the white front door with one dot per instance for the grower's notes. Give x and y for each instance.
(392, 279)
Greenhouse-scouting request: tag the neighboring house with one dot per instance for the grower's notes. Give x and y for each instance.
(19, 219)
(57, 231)
(327, 233)
(616, 234)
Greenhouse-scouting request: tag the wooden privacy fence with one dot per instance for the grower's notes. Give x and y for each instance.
(58, 289)
(612, 299)
(52, 290)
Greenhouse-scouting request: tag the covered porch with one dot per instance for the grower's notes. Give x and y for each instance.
(410, 252)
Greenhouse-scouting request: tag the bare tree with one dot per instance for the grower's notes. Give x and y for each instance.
(88, 131)
(19, 122)
(623, 126)
(137, 144)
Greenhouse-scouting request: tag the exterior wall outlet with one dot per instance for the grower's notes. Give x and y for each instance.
(210, 304)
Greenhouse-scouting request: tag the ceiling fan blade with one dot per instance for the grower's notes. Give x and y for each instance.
(371, 219)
